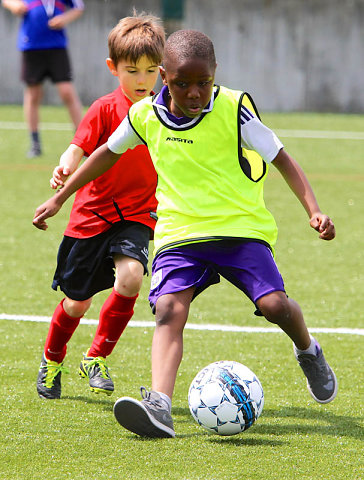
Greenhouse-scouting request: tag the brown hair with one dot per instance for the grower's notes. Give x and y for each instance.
(136, 36)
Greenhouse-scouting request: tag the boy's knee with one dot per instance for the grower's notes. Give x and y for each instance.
(165, 309)
(275, 307)
(169, 310)
(129, 285)
(66, 93)
(76, 308)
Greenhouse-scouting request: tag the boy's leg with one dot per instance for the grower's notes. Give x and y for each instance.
(167, 346)
(251, 267)
(32, 99)
(114, 317)
(151, 417)
(178, 275)
(65, 320)
(119, 306)
(285, 312)
(33, 72)
(60, 72)
(70, 98)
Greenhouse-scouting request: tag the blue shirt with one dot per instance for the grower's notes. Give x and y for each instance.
(34, 33)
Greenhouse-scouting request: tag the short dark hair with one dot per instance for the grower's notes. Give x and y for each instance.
(184, 44)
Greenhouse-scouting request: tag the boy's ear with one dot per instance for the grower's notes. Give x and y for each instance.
(163, 75)
(111, 67)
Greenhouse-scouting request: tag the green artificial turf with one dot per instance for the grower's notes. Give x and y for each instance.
(77, 437)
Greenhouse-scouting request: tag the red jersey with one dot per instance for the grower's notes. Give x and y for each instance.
(126, 190)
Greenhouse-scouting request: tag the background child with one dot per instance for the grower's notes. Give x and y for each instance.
(43, 43)
(212, 220)
(112, 218)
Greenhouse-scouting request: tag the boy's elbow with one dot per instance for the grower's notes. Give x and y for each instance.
(112, 155)
(78, 12)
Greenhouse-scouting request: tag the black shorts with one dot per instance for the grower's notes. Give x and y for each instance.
(37, 65)
(85, 266)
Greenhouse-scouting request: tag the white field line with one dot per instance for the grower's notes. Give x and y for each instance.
(192, 326)
(324, 134)
(42, 126)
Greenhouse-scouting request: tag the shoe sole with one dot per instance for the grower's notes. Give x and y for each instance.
(82, 374)
(132, 415)
(101, 390)
(328, 400)
(44, 397)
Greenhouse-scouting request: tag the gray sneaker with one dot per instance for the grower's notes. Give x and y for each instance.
(321, 380)
(35, 150)
(148, 418)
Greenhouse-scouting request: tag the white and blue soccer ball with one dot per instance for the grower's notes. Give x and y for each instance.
(226, 398)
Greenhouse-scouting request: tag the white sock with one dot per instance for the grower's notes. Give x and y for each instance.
(311, 350)
(167, 402)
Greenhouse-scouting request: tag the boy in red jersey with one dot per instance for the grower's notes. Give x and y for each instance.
(112, 218)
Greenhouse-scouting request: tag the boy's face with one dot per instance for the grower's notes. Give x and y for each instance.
(190, 84)
(136, 80)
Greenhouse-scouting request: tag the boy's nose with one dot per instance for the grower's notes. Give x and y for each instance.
(141, 79)
(193, 92)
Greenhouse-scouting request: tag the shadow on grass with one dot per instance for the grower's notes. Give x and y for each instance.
(108, 403)
(301, 420)
(183, 415)
(336, 425)
(242, 441)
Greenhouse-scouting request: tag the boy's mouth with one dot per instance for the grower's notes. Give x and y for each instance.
(194, 110)
(141, 92)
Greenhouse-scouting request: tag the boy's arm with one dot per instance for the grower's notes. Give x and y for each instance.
(95, 165)
(68, 164)
(60, 21)
(297, 181)
(86, 139)
(16, 7)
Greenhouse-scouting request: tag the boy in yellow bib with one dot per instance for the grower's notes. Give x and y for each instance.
(211, 154)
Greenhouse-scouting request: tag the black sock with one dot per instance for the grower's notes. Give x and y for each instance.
(35, 137)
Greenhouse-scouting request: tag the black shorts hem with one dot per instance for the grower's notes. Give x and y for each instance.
(86, 266)
(37, 65)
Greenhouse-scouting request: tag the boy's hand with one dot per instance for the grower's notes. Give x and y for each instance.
(324, 225)
(18, 8)
(57, 23)
(60, 21)
(44, 211)
(60, 174)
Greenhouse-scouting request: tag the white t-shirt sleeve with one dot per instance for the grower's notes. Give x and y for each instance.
(256, 136)
(123, 138)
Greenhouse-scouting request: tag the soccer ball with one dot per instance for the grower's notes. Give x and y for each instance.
(226, 398)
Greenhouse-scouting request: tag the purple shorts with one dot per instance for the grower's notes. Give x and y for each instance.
(247, 264)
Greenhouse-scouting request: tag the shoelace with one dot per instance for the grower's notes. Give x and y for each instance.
(318, 367)
(148, 396)
(100, 362)
(52, 370)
